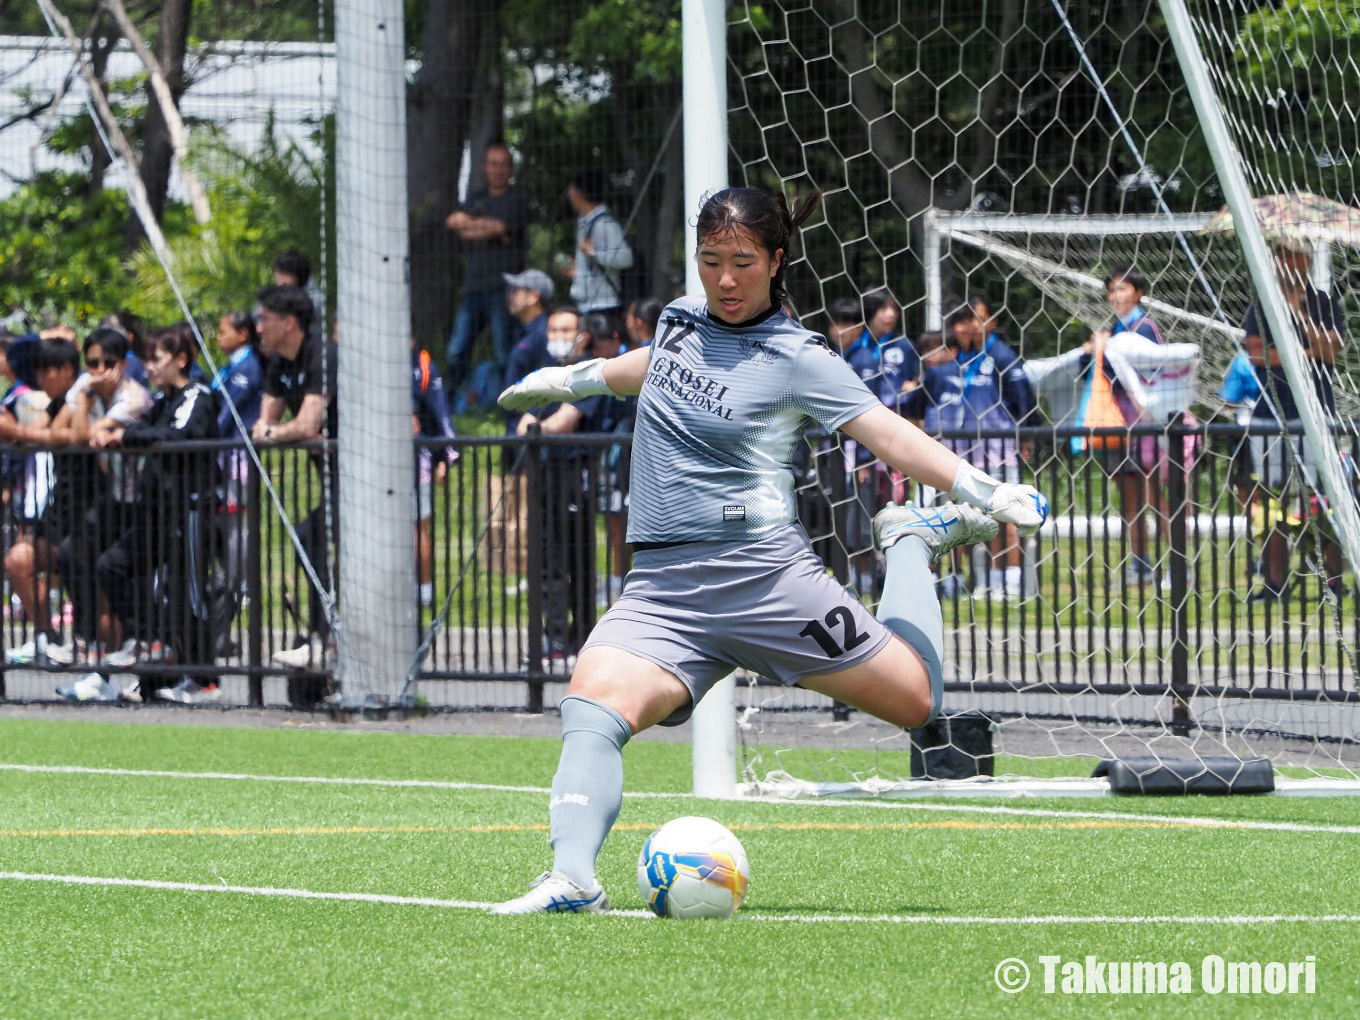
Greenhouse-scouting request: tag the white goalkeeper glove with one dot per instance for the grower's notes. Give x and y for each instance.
(1022, 505)
(558, 383)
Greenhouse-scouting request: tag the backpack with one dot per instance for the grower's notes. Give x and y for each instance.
(635, 282)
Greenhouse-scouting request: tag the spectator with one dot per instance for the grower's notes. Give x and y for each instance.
(294, 269)
(155, 573)
(1286, 472)
(131, 327)
(493, 226)
(300, 378)
(602, 339)
(429, 420)
(99, 405)
(241, 380)
(641, 319)
(602, 251)
(894, 357)
(1134, 465)
(860, 349)
(568, 509)
(31, 562)
(527, 298)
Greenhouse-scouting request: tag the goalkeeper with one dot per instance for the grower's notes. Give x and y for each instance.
(723, 575)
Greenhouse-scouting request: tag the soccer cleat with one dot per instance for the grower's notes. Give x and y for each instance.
(91, 687)
(554, 893)
(190, 692)
(940, 527)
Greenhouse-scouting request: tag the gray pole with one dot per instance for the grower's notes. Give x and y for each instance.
(1321, 442)
(713, 727)
(377, 558)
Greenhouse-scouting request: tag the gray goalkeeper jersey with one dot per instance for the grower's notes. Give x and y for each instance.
(721, 410)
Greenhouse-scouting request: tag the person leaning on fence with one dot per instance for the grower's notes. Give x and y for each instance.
(1139, 464)
(1286, 473)
(100, 403)
(429, 420)
(567, 506)
(300, 379)
(240, 381)
(31, 563)
(155, 574)
(602, 250)
(493, 228)
(994, 393)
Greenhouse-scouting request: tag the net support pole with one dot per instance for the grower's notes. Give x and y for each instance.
(704, 27)
(377, 499)
(933, 251)
(1260, 263)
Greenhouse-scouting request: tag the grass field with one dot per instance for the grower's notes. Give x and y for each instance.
(855, 910)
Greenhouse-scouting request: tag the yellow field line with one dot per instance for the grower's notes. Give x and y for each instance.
(364, 830)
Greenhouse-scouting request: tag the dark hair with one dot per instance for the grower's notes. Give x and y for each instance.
(113, 342)
(979, 304)
(599, 326)
(649, 310)
(590, 182)
(876, 301)
(244, 322)
(560, 309)
(960, 315)
(929, 341)
(1129, 275)
(845, 312)
(767, 218)
(54, 352)
(130, 326)
(284, 300)
(174, 341)
(295, 264)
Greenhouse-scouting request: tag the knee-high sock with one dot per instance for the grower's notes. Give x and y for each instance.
(588, 788)
(911, 610)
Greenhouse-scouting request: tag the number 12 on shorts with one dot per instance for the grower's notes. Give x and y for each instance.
(853, 638)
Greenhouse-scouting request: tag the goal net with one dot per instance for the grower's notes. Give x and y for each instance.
(1189, 597)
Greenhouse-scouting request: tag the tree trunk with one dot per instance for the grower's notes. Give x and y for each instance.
(102, 41)
(461, 46)
(172, 40)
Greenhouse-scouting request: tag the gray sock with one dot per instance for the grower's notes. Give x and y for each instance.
(587, 791)
(910, 609)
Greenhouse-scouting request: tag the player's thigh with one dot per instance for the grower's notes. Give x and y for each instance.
(893, 685)
(637, 688)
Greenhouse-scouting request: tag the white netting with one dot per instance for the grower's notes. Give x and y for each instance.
(1019, 157)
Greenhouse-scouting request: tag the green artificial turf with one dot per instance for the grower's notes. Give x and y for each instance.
(95, 951)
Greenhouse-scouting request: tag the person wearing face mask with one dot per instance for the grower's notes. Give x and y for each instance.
(568, 505)
(101, 402)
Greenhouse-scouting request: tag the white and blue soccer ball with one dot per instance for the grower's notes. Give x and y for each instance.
(693, 867)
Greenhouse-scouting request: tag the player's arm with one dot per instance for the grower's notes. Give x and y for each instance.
(616, 377)
(904, 447)
(306, 424)
(271, 413)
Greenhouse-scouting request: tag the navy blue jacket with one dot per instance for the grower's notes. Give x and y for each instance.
(243, 381)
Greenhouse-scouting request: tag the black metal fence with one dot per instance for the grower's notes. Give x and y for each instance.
(129, 570)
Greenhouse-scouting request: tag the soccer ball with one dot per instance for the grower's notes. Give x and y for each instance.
(693, 867)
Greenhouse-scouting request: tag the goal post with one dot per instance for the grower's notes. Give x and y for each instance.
(713, 725)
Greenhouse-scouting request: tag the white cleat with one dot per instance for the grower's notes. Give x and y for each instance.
(554, 893)
(940, 527)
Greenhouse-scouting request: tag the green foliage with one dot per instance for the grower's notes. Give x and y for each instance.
(262, 203)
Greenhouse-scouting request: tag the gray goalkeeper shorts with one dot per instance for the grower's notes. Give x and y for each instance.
(702, 609)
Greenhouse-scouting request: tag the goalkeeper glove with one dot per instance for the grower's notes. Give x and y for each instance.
(558, 383)
(1022, 505)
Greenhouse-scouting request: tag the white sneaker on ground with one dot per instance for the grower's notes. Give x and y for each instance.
(309, 654)
(125, 656)
(554, 893)
(133, 692)
(940, 527)
(190, 692)
(91, 687)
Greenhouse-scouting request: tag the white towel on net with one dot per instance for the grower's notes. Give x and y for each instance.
(1159, 378)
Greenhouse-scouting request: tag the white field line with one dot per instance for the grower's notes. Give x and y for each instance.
(435, 784)
(923, 919)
